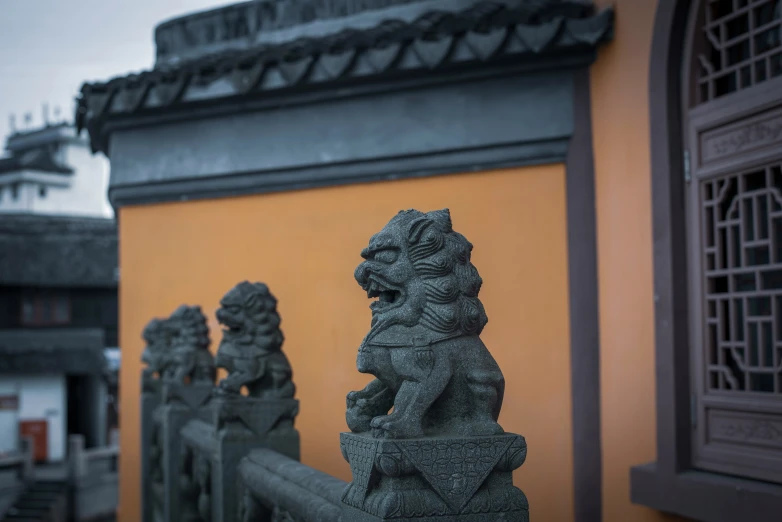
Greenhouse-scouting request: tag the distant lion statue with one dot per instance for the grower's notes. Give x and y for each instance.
(251, 348)
(157, 337)
(189, 357)
(423, 345)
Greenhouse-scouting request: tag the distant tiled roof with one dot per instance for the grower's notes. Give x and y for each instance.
(57, 251)
(39, 160)
(486, 32)
(69, 351)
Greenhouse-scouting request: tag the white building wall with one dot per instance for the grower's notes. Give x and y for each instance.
(86, 193)
(40, 397)
(22, 203)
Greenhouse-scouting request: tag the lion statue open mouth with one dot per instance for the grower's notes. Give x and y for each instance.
(251, 348)
(423, 345)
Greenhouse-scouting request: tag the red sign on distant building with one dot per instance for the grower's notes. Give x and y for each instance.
(9, 402)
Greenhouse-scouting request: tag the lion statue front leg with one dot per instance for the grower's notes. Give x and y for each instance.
(243, 372)
(363, 406)
(184, 366)
(424, 378)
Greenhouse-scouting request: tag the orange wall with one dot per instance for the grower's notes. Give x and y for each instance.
(305, 246)
(620, 122)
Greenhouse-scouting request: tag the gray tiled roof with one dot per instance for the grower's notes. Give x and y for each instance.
(486, 32)
(40, 160)
(40, 250)
(69, 351)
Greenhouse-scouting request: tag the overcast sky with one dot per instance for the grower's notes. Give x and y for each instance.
(48, 48)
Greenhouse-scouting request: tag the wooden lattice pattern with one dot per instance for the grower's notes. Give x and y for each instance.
(742, 46)
(742, 238)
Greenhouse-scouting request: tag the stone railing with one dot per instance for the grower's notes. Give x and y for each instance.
(16, 470)
(93, 479)
(273, 486)
(229, 452)
(213, 449)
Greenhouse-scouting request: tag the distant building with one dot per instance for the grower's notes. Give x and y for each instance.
(50, 170)
(58, 293)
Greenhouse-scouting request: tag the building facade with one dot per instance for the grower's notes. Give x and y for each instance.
(50, 170)
(617, 164)
(58, 292)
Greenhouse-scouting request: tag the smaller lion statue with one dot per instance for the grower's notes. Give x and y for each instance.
(157, 337)
(189, 359)
(251, 347)
(424, 345)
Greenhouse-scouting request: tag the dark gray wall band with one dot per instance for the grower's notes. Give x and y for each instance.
(493, 122)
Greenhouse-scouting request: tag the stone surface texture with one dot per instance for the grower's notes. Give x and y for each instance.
(441, 452)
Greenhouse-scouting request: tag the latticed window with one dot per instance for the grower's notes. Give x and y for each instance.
(735, 206)
(741, 46)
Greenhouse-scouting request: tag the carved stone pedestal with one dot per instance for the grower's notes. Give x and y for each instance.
(179, 403)
(465, 479)
(266, 423)
(235, 425)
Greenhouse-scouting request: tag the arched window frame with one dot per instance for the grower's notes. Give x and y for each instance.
(672, 483)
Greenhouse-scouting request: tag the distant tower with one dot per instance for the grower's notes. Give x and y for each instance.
(56, 114)
(28, 119)
(45, 113)
(12, 123)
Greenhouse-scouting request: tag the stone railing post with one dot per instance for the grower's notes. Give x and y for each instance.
(77, 463)
(251, 351)
(28, 463)
(181, 402)
(178, 382)
(441, 453)
(157, 340)
(77, 470)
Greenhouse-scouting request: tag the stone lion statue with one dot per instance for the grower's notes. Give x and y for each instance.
(158, 342)
(189, 355)
(423, 345)
(251, 348)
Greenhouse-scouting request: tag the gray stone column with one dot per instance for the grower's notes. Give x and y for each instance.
(177, 383)
(180, 403)
(239, 425)
(150, 457)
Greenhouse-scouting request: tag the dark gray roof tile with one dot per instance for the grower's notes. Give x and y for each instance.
(40, 250)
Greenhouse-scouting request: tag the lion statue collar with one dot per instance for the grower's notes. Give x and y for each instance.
(401, 337)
